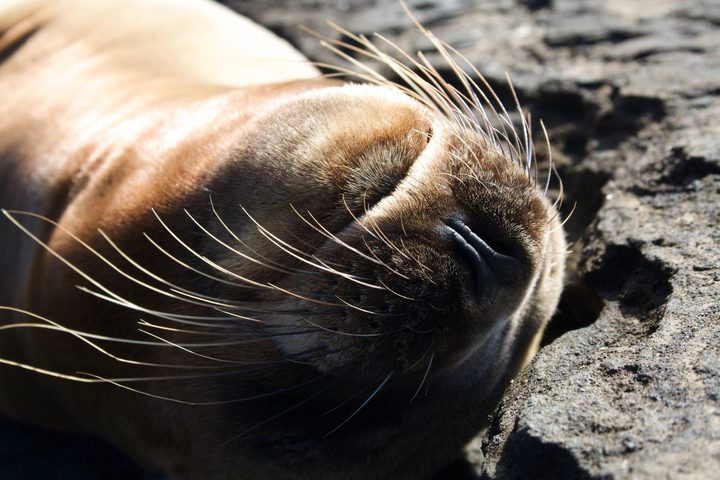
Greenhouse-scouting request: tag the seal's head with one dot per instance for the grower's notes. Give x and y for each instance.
(421, 238)
(394, 247)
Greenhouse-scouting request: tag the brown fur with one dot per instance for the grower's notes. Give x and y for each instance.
(114, 128)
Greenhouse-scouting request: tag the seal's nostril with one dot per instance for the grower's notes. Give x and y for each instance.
(489, 267)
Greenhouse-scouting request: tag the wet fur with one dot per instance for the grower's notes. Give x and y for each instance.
(239, 271)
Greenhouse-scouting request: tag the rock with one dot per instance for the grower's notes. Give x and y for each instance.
(634, 394)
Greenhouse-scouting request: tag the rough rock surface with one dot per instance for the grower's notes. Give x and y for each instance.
(628, 382)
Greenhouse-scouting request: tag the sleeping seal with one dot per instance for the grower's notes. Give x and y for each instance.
(230, 267)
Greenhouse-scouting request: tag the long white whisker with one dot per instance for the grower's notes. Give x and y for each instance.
(372, 395)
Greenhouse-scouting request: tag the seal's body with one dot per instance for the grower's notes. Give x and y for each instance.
(330, 281)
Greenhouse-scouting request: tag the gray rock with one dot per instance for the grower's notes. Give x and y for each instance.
(634, 394)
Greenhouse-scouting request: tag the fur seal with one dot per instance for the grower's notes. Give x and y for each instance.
(230, 267)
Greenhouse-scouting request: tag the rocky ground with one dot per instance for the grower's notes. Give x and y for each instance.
(628, 382)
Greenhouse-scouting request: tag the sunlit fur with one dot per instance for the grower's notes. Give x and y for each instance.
(231, 267)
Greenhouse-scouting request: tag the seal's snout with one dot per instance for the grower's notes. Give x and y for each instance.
(491, 264)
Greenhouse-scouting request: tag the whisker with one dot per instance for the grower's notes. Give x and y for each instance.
(174, 288)
(110, 295)
(267, 262)
(422, 382)
(234, 250)
(372, 395)
(284, 412)
(121, 383)
(195, 270)
(206, 260)
(338, 241)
